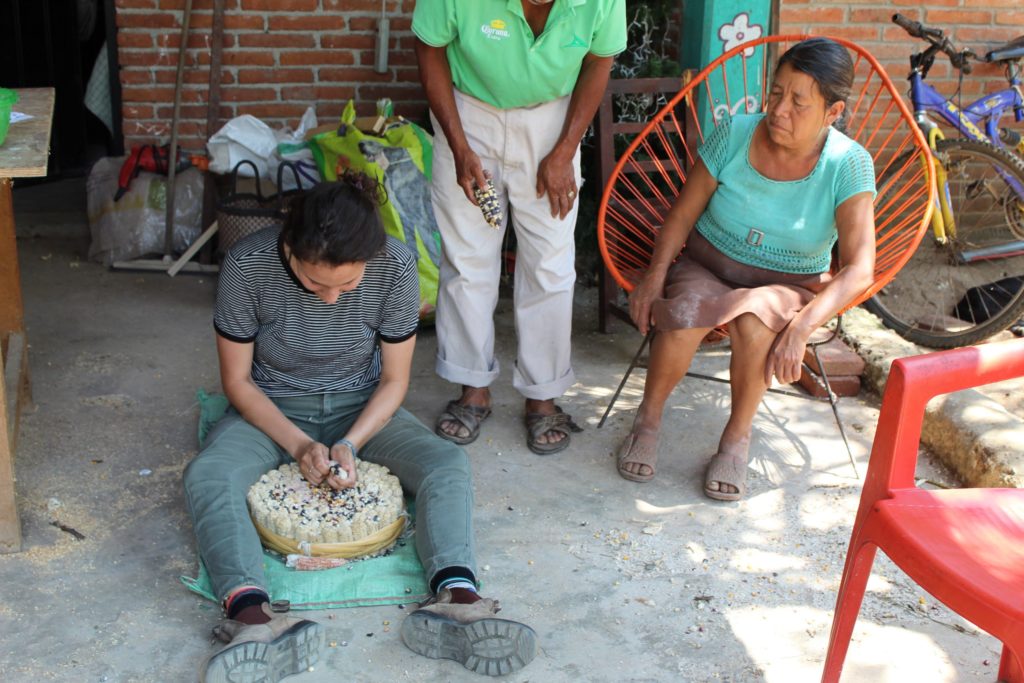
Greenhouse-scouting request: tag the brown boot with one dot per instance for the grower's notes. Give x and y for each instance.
(264, 653)
(469, 634)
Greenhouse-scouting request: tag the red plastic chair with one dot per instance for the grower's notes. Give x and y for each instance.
(964, 546)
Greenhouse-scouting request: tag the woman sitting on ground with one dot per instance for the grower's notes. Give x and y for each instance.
(768, 197)
(315, 334)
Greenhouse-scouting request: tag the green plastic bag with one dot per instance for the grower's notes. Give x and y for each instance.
(400, 158)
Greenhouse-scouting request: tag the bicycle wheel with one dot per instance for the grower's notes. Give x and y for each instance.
(969, 288)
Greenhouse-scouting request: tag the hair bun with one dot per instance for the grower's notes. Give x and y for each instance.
(373, 190)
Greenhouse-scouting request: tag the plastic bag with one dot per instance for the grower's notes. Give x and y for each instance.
(246, 138)
(400, 158)
(134, 226)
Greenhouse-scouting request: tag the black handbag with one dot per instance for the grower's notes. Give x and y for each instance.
(240, 214)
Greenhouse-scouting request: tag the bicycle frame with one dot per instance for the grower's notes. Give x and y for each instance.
(985, 112)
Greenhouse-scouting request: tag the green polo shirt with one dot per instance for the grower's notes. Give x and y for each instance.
(495, 58)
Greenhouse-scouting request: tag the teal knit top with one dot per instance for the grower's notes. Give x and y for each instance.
(787, 226)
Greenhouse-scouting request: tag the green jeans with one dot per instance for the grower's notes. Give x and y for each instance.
(235, 455)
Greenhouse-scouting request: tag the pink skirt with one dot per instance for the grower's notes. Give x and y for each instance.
(706, 288)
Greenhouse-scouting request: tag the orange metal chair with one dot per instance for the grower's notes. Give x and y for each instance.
(653, 169)
(964, 546)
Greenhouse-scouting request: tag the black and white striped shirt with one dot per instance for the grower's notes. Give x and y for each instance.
(303, 345)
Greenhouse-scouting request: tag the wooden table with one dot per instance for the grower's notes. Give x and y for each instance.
(24, 154)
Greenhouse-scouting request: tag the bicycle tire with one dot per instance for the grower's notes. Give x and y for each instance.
(920, 301)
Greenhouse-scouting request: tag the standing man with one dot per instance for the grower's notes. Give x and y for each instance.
(512, 87)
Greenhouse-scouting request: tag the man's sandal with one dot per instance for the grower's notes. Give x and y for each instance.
(466, 416)
(631, 453)
(537, 425)
(730, 469)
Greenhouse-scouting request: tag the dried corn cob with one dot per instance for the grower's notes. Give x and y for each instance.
(487, 198)
(303, 563)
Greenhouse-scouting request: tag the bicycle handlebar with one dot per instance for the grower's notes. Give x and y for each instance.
(935, 36)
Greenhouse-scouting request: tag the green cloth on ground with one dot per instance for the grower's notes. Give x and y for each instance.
(394, 579)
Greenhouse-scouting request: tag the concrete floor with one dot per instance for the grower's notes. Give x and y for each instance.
(622, 581)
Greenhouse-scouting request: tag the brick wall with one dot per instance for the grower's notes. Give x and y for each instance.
(281, 56)
(977, 24)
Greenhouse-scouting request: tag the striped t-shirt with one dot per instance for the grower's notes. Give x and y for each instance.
(303, 345)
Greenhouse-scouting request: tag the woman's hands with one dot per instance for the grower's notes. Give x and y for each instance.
(315, 464)
(641, 299)
(786, 356)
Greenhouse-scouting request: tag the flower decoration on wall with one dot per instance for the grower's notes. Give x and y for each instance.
(738, 32)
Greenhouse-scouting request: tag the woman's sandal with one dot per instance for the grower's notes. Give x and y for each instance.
(469, 417)
(730, 469)
(537, 425)
(631, 454)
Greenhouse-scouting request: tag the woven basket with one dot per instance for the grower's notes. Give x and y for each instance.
(366, 546)
(241, 214)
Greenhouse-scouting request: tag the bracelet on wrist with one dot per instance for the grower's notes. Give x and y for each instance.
(351, 446)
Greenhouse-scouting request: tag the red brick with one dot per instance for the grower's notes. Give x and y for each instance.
(277, 40)
(272, 110)
(1010, 18)
(232, 22)
(397, 92)
(360, 5)
(198, 5)
(317, 93)
(319, 22)
(134, 39)
(252, 76)
(236, 94)
(357, 74)
(953, 17)
(136, 77)
(838, 358)
(814, 15)
(242, 58)
(362, 24)
(137, 111)
(194, 76)
(985, 34)
(882, 15)
(311, 57)
(348, 42)
(147, 130)
(842, 385)
(126, 20)
(135, 4)
(196, 40)
(280, 5)
(146, 58)
(192, 111)
(857, 34)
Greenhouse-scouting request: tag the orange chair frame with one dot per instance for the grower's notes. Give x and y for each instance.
(653, 169)
(964, 546)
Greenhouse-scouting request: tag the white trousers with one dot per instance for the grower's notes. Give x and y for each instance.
(511, 144)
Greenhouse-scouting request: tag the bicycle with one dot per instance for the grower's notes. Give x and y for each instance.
(965, 282)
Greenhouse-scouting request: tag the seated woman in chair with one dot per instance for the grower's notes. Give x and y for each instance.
(768, 197)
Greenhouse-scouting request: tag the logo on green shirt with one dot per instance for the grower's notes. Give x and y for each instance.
(576, 42)
(495, 30)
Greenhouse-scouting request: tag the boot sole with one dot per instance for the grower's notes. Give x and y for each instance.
(492, 647)
(292, 652)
